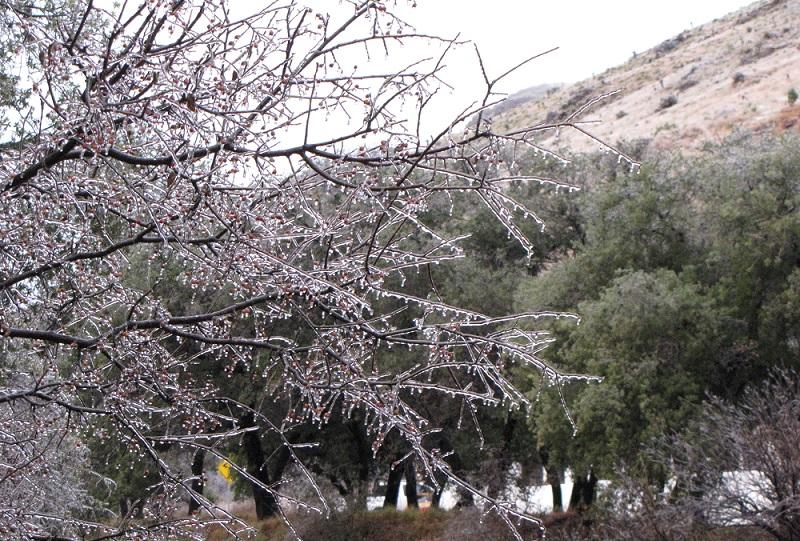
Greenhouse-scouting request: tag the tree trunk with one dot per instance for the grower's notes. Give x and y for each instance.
(577, 492)
(366, 463)
(465, 497)
(393, 487)
(583, 490)
(411, 483)
(266, 504)
(554, 479)
(281, 461)
(588, 492)
(497, 482)
(197, 479)
(441, 479)
(436, 499)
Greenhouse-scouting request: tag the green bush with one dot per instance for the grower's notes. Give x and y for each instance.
(792, 96)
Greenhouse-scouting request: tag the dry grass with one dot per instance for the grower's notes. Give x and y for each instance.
(468, 524)
(272, 529)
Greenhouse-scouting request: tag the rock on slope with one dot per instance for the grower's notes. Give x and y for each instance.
(734, 72)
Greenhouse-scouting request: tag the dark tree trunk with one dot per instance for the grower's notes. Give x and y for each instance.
(553, 479)
(393, 487)
(583, 490)
(465, 497)
(281, 462)
(266, 504)
(441, 479)
(366, 463)
(588, 492)
(497, 482)
(411, 483)
(436, 499)
(577, 492)
(197, 481)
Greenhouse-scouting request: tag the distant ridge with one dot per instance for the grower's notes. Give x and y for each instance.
(520, 98)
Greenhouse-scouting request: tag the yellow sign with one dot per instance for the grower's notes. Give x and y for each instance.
(225, 470)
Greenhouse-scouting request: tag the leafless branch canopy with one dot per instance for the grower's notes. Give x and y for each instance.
(174, 199)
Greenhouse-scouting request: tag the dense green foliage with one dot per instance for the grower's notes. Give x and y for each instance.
(687, 282)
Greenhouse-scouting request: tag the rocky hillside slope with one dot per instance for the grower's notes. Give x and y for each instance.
(734, 72)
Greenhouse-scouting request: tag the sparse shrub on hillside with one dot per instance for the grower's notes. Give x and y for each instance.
(670, 44)
(792, 96)
(667, 102)
(751, 54)
(738, 77)
(576, 100)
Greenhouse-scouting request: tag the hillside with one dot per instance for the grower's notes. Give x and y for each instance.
(734, 72)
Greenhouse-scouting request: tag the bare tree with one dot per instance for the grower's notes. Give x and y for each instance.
(170, 145)
(740, 465)
(36, 443)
